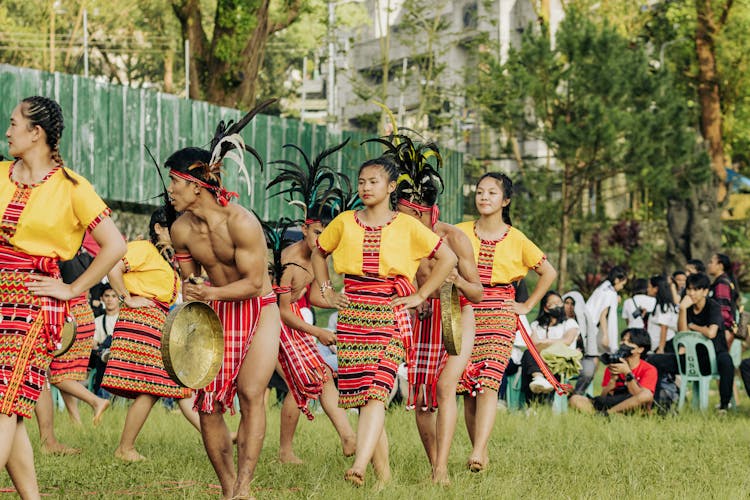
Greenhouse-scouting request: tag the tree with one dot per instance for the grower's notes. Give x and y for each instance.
(591, 99)
(226, 65)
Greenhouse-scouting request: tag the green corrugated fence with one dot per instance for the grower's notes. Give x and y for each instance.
(107, 126)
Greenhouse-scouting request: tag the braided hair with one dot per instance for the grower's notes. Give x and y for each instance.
(507, 185)
(47, 114)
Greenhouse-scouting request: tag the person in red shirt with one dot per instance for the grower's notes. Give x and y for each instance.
(628, 384)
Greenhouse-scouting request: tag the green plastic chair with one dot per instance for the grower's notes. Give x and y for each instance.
(690, 373)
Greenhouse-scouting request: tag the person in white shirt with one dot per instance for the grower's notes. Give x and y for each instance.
(662, 322)
(601, 310)
(550, 327)
(636, 309)
(104, 325)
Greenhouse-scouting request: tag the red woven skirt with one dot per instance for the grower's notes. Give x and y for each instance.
(303, 366)
(240, 321)
(369, 341)
(135, 363)
(495, 333)
(74, 364)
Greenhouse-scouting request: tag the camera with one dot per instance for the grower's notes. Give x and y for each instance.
(637, 313)
(618, 356)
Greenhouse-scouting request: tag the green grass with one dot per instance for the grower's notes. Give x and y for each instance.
(691, 455)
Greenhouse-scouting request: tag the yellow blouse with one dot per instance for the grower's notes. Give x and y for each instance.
(515, 254)
(55, 214)
(147, 274)
(403, 243)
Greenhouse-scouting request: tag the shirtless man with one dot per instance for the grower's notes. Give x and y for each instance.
(226, 241)
(298, 276)
(436, 382)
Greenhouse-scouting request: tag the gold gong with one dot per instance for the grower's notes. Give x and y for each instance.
(450, 312)
(192, 344)
(67, 337)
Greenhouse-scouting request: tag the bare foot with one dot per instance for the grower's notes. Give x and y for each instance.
(99, 409)
(129, 455)
(475, 464)
(440, 477)
(355, 478)
(57, 448)
(75, 419)
(349, 445)
(290, 458)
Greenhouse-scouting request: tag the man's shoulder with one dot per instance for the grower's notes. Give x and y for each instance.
(644, 368)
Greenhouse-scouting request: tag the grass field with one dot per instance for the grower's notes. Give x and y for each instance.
(690, 455)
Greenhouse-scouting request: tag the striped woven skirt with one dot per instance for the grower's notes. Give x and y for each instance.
(428, 355)
(239, 320)
(303, 366)
(495, 333)
(74, 364)
(25, 352)
(135, 363)
(370, 346)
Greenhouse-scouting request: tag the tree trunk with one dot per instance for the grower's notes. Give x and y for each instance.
(694, 226)
(188, 12)
(562, 263)
(708, 91)
(169, 72)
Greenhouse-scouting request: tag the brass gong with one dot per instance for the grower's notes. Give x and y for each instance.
(450, 313)
(192, 344)
(67, 337)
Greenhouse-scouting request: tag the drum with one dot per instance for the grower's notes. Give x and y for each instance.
(450, 312)
(67, 337)
(192, 344)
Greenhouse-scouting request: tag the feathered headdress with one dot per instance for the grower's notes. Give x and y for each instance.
(312, 184)
(226, 144)
(169, 211)
(276, 241)
(419, 183)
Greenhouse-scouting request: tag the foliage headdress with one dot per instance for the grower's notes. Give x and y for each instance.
(204, 167)
(277, 241)
(314, 184)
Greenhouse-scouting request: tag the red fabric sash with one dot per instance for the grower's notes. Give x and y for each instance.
(434, 210)
(55, 311)
(222, 195)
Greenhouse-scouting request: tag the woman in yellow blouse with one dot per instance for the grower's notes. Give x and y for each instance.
(378, 251)
(46, 209)
(504, 255)
(147, 285)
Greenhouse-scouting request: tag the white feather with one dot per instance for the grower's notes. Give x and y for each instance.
(237, 155)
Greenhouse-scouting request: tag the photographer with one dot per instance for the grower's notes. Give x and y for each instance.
(629, 382)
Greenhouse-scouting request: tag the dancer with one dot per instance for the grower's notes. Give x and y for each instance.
(378, 250)
(226, 242)
(68, 370)
(504, 255)
(46, 210)
(146, 284)
(433, 374)
(300, 364)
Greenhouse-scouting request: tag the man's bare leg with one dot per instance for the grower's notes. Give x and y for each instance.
(289, 420)
(45, 411)
(329, 400)
(447, 413)
(252, 381)
(134, 420)
(218, 445)
(20, 464)
(381, 461)
(426, 425)
(470, 415)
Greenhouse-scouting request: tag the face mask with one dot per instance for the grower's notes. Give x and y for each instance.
(557, 312)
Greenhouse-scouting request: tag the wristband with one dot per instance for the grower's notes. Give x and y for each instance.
(629, 377)
(326, 286)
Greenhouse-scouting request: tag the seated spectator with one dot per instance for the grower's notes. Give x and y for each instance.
(725, 292)
(629, 382)
(694, 266)
(662, 321)
(601, 309)
(677, 285)
(636, 309)
(104, 325)
(699, 313)
(575, 308)
(550, 327)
